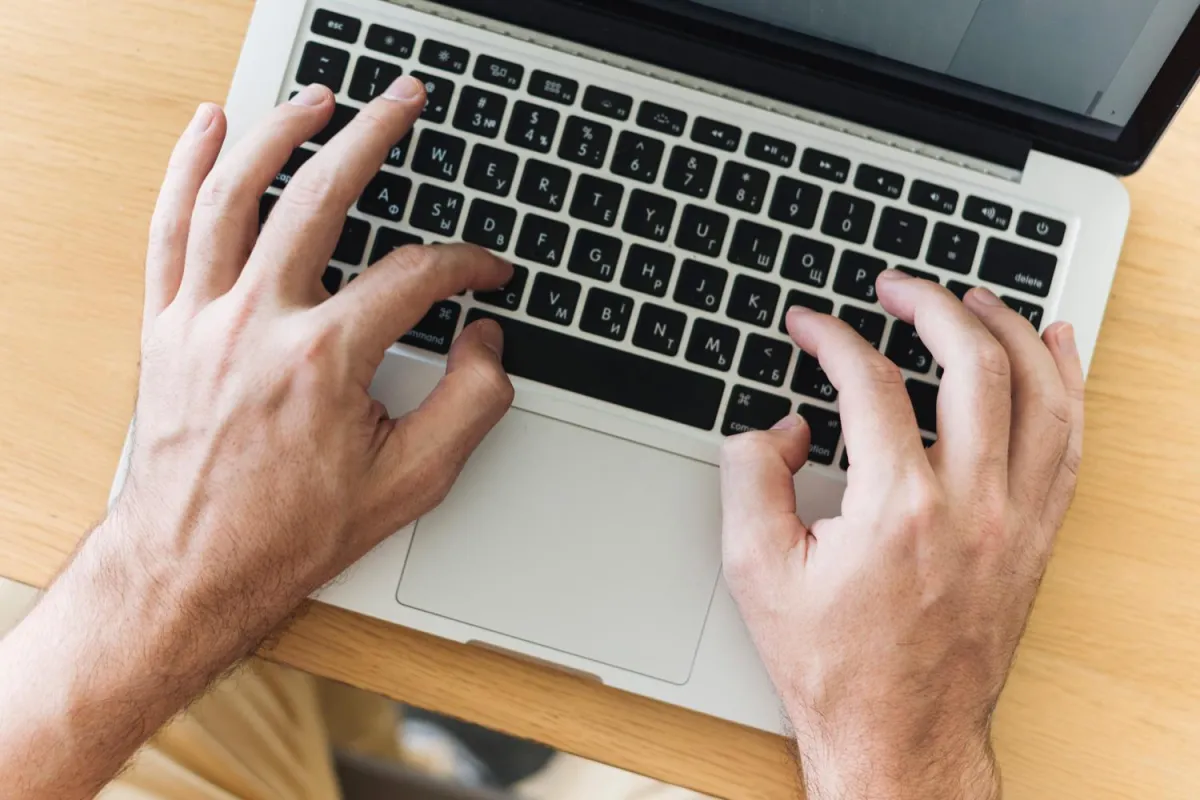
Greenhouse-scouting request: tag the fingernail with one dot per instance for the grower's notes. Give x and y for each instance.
(493, 336)
(312, 95)
(404, 89)
(894, 275)
(1065, 336)
(790, 422)
(799, 311)
(985, 297)
(202, 119)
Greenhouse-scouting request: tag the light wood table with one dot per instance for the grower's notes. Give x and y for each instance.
(1105, 698)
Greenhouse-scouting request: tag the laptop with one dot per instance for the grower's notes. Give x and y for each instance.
(669, 177)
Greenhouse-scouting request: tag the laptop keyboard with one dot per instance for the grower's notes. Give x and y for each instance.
(656, 251)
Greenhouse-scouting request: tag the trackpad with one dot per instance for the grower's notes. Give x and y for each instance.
(576, 541)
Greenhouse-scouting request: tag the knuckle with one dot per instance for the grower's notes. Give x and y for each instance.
(492, 381)
(884, 372)
(218, 192)
(312, 188)
(923, 508)
(992, 359)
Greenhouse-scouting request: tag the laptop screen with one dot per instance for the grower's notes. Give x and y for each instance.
(1094, 59)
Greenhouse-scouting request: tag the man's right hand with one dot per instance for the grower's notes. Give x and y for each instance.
(890, 630)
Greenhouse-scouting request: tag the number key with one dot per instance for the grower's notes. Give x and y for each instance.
(848, 218)
(480, 112)
(532, 127)
(439, 94)
(796, 202)
(637, 157)
(690, 172)
(585, 142)
(743, 187)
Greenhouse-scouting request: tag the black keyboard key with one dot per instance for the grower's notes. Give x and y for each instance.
(265, 205)
(924, 400)
(594, 255)
(343, 115)
(436, 210)
(613, 105)
(869, 324)
(771, 150)
(752, 410)
(497, 72)
(826, 428)
(879, 181)
(324, 65)
(856, 276)
(637, 157)
(933, 198)
(372, 78)
(648, 270)
(1028, 310)
(532, 127)
(606, 314)
(754, 246)
(848, 218)
(444, 56)
(716, 134)
(597, 200)
(393, 42)
(553, 87)
(952, 248)
(386, 196)
(336, 26)
(906, 350)
(389, 239)
(702, 231)
(508, 296)
(331, 279)
(753, 301)
(438, 155)
(436, 331)
(480, 112)
(822, 305)
(810, 380)
(700, 286)
(439, 95)
(959, 289)
(1018, 267)
(795, 202)
(553, 299)
(542, 240)
(661, 118)
(609, 375)
(1041, 229)
(900, 233)
(352, 244)
(765, 360)
(917, 273)
(659, 329)
(823, 165)
(491, 170)
(649, 215)
(399, 152)
(690, 172)
(298, 159)
(986, 212)
(743, 187)
(585, 142)
(490, 225)
(544, 185)
(712, 345)
(807, 261)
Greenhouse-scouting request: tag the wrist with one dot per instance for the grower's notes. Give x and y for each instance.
(851, 766)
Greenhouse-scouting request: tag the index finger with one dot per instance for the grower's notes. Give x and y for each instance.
(878, 422)
(391, 297)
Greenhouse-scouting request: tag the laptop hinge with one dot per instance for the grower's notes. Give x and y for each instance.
(943, 138)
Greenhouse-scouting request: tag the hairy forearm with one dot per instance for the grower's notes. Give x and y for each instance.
(112, 652)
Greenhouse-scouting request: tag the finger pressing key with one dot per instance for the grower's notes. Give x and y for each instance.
(877, 417)
(303, 230)
(975, 398)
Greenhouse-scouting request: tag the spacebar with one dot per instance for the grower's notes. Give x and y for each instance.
(603, 373)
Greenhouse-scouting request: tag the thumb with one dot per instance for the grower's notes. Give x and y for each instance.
(429, 447)
(760, 527)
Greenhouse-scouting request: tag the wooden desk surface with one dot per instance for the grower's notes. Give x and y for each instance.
(1104, 701)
